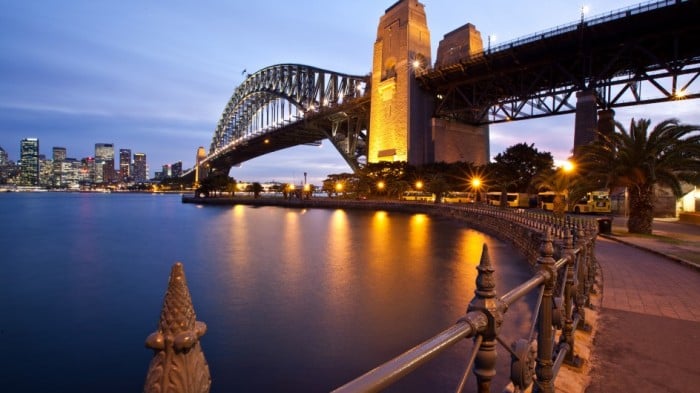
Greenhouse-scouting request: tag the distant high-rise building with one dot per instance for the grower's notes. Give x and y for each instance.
(4, 158)
(87, 170)
(29, 162)
(125, 165)
(59, 155)
(176, 169)
(104, 162)
(167, 172)
(140, 168)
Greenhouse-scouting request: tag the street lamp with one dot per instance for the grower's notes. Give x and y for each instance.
(476, 185)
(568, 167)
(338, 187)
(419, 185)
(380, 186)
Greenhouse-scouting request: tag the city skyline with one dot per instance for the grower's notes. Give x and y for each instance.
(155, 78)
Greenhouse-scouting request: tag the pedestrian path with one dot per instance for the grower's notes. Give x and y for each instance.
(648, 330)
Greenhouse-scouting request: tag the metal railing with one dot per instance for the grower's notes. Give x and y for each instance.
(592, 21)
(560, 308)
(564, 285)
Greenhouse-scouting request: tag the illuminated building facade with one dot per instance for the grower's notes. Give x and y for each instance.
(140, 168)
(125, 165)
(29, 162)
(104, 162)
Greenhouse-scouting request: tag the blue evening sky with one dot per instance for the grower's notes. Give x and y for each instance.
(154, 75)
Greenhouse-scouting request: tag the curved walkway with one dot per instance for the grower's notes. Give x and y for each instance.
(648, 326)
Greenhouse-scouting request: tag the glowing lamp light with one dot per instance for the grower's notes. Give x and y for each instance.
(568, 167)
(380, 185)
(419, 185)
(476, 182)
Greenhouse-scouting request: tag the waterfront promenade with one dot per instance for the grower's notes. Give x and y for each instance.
(648, 323)
(647, 311)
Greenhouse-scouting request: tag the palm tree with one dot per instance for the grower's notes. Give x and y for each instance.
(640, 158)
(565, 187)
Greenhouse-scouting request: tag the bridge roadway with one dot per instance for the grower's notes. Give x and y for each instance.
(648, 326)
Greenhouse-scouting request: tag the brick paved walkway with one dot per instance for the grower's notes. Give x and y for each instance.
(648, 334)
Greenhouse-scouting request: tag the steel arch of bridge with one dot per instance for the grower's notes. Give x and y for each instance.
(290, 99)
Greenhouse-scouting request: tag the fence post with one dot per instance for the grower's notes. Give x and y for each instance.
(545, 334)
(569, 294)
(582, 275)
(178, 364)
(485, 301)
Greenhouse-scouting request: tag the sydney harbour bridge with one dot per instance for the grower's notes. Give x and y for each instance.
(638, 55)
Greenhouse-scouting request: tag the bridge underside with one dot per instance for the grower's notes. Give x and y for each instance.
(634, 58)
(344, 126)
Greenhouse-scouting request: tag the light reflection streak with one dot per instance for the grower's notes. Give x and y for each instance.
(337, 266)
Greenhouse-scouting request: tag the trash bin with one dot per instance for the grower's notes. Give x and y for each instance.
(604, 225)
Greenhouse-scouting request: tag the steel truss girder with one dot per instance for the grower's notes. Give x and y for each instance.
(642, 56)
(255, 107)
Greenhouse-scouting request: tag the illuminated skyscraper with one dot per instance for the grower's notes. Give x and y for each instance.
(176, 169)
(59, 153)
(29, 162)
(59, 156)
(140, 167)
(125, 164)
(104, 162)
(4, 158)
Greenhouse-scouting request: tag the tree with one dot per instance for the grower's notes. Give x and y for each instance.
(438, 186)
(217, 182)
(565, 186)
(640, 158)
(518, 165)
(257, 189)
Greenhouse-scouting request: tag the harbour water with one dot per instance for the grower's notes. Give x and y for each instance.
(294, 300)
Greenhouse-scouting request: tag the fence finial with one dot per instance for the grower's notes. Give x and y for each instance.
(178, 364)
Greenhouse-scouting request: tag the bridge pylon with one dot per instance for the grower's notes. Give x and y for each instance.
(402, 126)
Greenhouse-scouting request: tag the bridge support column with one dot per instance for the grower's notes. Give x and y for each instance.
(455, 142)
(606, 121)
(586, 116)
(401, 110)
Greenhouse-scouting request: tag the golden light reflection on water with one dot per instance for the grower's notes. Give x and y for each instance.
(336, 266)
(469, 247)
(291, 260)
(240, 245)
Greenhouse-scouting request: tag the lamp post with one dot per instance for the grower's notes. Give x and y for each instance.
(476, 186)
(380, 186)
(338, 188)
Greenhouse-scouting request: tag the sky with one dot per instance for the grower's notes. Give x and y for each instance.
(154, 76)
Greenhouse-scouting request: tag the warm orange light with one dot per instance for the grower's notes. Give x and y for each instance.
(380, 185)
(339, 187)
(568, 167)
(476, 182)
(419, 185)
(307, 187)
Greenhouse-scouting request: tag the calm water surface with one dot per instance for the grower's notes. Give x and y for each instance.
(295, 300)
